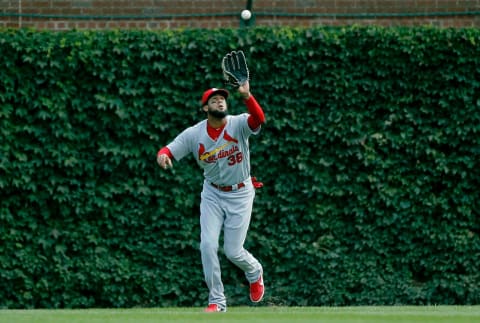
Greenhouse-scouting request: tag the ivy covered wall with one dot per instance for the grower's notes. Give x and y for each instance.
(369, 159)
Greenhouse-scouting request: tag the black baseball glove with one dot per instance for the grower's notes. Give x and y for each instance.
(235, 69)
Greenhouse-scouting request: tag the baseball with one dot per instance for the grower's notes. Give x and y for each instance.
(246, 14)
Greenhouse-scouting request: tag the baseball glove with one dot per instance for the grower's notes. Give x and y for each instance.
(235, 69)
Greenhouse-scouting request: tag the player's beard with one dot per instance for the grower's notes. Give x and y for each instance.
(218, 114)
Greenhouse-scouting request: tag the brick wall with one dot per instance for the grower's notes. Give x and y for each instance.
(160, 14)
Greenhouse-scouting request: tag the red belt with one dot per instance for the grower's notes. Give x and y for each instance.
(228, 188)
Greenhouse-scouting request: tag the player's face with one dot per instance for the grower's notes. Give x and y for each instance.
(217, 106)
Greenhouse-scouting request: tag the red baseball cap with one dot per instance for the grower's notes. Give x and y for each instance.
(211, 92)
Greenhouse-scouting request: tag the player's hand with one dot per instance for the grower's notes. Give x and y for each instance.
(164, 161)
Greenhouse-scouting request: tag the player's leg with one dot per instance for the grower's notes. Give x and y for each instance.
(211, 222)
(238, 213)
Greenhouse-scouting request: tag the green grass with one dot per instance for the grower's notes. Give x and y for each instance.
(369, 314)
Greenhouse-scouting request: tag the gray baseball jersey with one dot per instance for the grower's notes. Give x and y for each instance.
(225, 161)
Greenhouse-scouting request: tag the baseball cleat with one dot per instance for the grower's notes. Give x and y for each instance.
(212, 308)
(257, 290)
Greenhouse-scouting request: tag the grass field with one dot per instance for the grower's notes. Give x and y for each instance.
(410, 314)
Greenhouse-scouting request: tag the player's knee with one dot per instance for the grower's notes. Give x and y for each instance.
(208, 247)
(234, 254)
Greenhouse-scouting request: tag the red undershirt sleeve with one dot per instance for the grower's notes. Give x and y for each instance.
(256, 117)
(165, 151)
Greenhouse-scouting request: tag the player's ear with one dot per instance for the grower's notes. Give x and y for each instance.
(205, 108)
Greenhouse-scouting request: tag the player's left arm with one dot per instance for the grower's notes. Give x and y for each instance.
(256, 117)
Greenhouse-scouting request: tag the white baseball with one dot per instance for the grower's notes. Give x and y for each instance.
(246, 14)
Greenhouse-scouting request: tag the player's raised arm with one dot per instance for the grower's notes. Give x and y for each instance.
(257, 117)
(236, 73)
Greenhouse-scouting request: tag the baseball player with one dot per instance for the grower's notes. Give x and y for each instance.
(220, 146)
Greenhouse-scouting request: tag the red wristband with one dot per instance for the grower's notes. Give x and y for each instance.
(165, 151)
